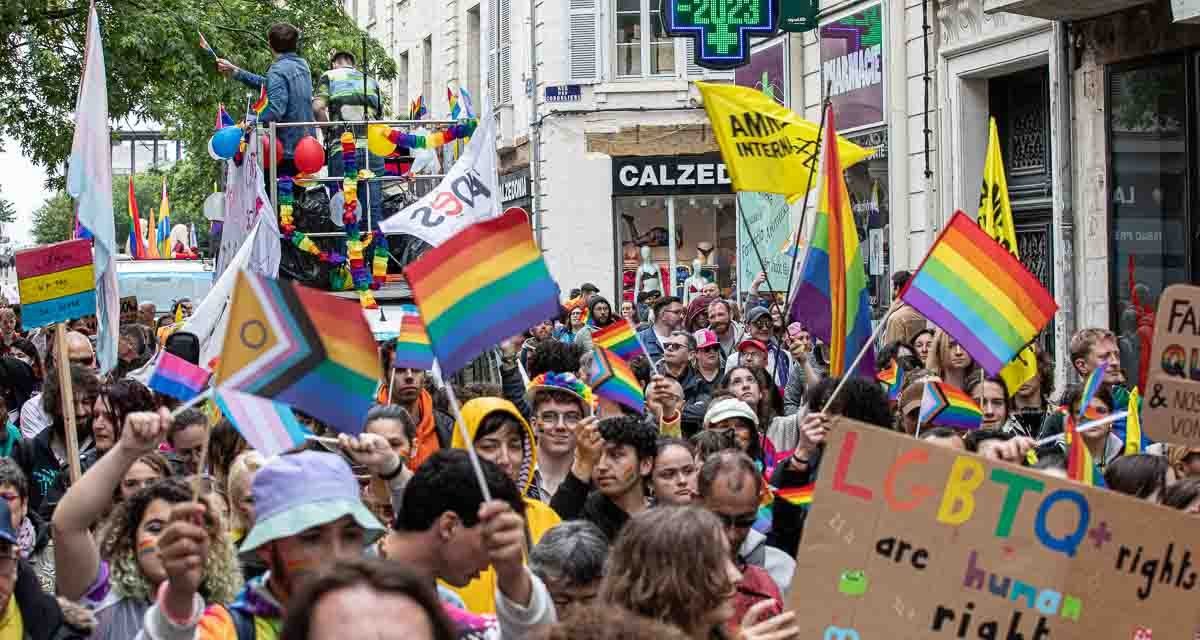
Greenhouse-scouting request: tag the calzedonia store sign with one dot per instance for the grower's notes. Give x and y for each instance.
(670, 175)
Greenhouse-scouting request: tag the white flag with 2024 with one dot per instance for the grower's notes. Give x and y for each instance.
(468, 194)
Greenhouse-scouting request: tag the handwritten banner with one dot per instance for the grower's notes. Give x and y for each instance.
(56, 283)
(908, 540)
(1171, 404)
(769, 220)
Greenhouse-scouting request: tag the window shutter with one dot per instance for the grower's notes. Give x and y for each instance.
(693, 70)
(504, 53)
(583, 41)
(493, 19)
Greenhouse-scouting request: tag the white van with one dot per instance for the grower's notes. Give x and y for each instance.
(164, 281)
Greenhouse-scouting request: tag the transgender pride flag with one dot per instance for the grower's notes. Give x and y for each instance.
(269, 427)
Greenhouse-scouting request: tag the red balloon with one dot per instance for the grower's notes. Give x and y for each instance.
(266, 151)
(310, 157)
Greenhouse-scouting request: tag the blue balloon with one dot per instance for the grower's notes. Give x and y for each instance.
(225, 142)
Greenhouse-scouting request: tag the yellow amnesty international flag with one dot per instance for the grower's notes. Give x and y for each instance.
(995, 218)
(766, 146)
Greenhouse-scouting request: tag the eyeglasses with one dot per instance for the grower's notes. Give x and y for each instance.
(674, 346)
(740, 521)
(569, 419)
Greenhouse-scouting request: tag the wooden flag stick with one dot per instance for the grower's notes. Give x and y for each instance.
(68, 400)
(466, 435)
(198, 478)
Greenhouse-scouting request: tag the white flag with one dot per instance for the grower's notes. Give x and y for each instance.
(246, 205)
(89, 182)
(468, 194)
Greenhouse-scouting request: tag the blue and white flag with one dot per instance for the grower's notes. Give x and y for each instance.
(89, 182)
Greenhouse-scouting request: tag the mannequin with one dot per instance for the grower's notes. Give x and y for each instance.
(648, 278)
(694, 283)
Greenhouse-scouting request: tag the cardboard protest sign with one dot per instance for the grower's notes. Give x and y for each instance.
(56, 283)
(909, 540)
(1171, 401)
(129, 310)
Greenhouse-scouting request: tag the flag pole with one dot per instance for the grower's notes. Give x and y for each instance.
(461, 425)
(825, 103)
(849, 372)
(754, 245)
(1087, 426)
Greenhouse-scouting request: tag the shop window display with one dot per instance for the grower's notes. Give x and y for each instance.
(704, 241)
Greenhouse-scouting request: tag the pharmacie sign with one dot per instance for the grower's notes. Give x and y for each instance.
(670, 175)
(852, 65)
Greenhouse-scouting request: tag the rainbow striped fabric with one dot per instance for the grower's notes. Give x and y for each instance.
(796, 495)
(485, 284)
(831, 298)
(412, 349)
(975, 290)
(302, 347)
(893, 378)
(945, 405)
(261, 104)
(137, 246)
(612, 379)
(619, 338)
(1080, 465)
(271, 428)
(1091, 386)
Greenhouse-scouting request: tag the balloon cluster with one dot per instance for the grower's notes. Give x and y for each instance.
(382, 140)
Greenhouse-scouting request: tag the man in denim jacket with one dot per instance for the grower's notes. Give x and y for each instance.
(289, 90)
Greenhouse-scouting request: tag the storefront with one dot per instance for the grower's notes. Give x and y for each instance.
(516, 190)
(853, 67)
(691, 194)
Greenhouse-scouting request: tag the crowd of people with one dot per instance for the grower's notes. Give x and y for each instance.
(601, 522)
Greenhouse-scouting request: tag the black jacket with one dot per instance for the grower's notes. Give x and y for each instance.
(40, 612)
(48, 480)
(787, 525)
(575, 500)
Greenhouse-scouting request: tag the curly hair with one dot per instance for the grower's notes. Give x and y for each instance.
(223, 575)
(668, 564)
(634, 431)
(552, 355)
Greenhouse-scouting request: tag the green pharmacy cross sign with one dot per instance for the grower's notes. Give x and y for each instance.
(720, 29)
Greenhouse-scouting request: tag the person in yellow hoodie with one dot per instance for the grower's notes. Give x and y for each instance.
(500, 434)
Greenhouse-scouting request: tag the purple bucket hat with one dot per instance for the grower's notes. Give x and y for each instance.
(304, 490)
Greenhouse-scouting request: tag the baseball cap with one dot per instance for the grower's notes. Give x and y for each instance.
(303, 490)
(751, 343)
(705, 338)
(727, 408)
(756, 313)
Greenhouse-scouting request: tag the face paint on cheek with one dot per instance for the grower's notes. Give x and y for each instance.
(300, 564)
(147, 546)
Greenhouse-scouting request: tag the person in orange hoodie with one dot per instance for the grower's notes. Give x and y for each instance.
(434, 427)
(501, 435)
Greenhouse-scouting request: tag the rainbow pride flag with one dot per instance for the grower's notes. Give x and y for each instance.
(137, 246)
(893, 378)
(976, 291)
(613, 379)
(1080, 465)
(301, 347)
(262, 103)
(945, 405)
(178, 378)
(1091, 386)
(412, 345)
(452, 101)
(485, 284)
(831, 298)
(798, 496)
(619, 338)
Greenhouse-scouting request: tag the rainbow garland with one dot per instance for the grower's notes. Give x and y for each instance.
(389, 138)
(352, 268)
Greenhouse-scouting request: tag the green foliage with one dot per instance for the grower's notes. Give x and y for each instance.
(156, 70)
(54, 221)
(8, 213)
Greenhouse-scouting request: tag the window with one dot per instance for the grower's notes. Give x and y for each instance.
(473, 52)
(642, 46)
(427, 70)
(402, 86)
